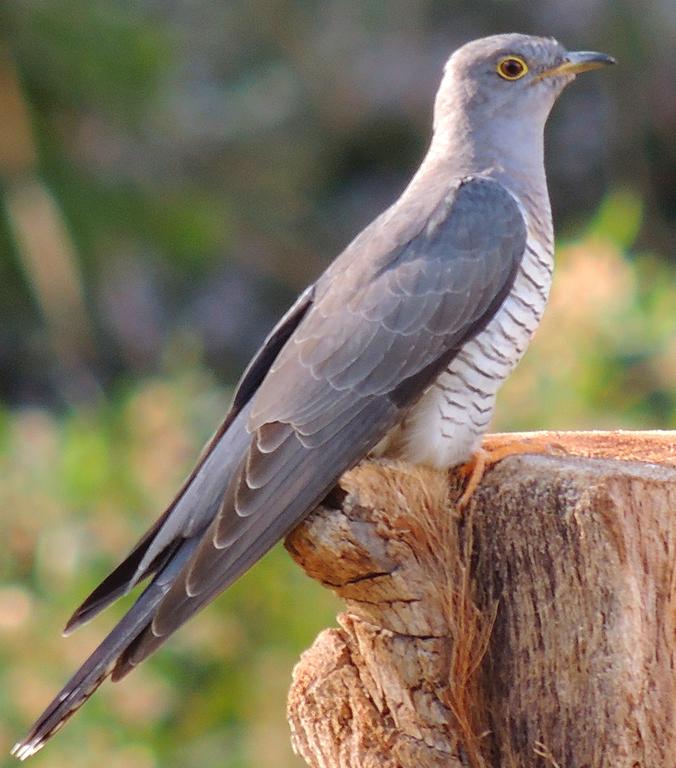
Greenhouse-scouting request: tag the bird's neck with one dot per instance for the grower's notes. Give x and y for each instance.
(452, 156)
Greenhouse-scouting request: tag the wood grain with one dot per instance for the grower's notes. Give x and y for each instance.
(536, 629)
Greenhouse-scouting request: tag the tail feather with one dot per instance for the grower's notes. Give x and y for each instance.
(189, 513)
(118, 583)
(103, 660)
(164, 550)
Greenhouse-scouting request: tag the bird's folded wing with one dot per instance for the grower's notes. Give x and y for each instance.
(376, 335)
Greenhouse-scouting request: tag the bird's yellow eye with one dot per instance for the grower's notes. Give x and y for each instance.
(512, 67)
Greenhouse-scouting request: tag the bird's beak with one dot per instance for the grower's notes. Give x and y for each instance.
(578, 61)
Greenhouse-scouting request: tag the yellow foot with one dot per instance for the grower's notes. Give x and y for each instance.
(496, 449)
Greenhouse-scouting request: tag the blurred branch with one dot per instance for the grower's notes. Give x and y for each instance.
(43, 244)
(17, 151)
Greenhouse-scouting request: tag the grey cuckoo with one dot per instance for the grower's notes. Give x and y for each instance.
(398, 348)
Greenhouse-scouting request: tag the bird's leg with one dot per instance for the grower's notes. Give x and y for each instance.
(494, 449)
(472, 472)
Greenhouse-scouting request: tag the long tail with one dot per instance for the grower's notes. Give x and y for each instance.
(163, 551)
(103, 660)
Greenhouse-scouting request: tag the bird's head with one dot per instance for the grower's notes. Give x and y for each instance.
(506, 85)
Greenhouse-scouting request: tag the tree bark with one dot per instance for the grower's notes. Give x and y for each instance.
(537, 628)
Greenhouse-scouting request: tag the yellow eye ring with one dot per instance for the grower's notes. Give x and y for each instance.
(512, 67)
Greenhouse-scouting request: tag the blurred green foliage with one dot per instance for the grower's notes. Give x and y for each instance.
(89, 55)
(210, 158)
(605, 354)
(207, 160)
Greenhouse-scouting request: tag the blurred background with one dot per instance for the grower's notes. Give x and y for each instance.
(172, 173)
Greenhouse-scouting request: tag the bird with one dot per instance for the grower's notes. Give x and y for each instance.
(396, 351)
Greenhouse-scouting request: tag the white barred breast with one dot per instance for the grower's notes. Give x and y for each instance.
(446, 425)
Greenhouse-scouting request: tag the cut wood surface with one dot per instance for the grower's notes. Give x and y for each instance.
(537, 628)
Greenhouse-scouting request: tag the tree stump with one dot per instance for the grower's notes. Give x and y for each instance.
(537, 628)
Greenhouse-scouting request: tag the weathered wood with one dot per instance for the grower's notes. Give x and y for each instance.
(536, 629)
